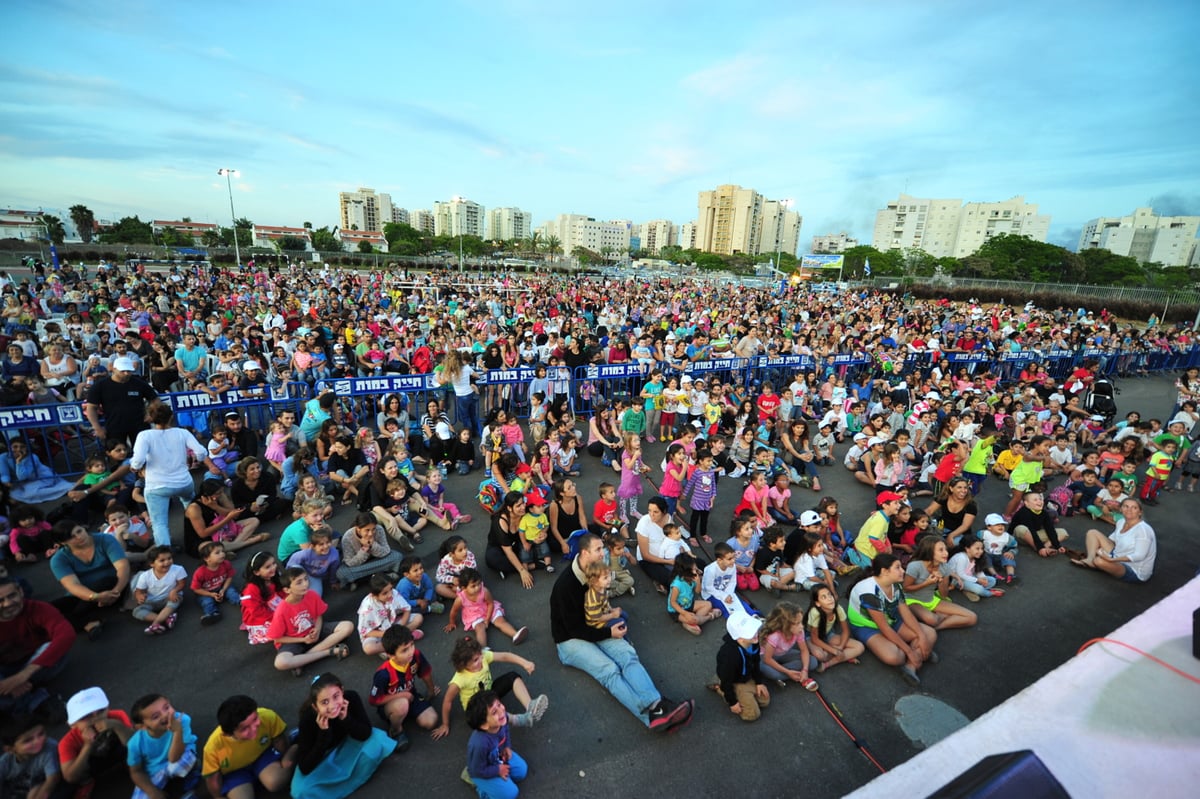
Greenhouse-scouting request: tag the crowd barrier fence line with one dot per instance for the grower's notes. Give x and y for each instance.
(60, 433)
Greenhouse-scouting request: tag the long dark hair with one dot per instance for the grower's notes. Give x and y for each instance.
(318, 685)
(256, 562)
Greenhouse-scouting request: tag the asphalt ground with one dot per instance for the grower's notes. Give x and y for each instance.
(588, 745)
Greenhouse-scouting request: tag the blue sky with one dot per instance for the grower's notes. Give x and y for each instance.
(615, 110)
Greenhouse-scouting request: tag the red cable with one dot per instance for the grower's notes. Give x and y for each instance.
(862, 747)
(1162, 663)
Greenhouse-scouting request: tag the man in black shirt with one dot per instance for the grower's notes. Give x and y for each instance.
(602, 652)
(122, 396)
(241, 438)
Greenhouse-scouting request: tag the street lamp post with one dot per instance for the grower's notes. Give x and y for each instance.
(229, 174)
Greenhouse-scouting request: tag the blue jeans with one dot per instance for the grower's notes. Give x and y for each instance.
(158, 503)
(499, 787)
(466, 412)
(210, 606)
(614, 664)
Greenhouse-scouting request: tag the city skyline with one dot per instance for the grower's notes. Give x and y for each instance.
(623, 114)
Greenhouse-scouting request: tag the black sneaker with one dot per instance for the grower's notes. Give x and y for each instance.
(403, 744)
(209, 619)
(667, 714)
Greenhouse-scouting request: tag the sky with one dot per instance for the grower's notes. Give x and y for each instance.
(621, 110)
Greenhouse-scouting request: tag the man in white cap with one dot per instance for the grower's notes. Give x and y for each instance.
(122, 396)
(94, 749)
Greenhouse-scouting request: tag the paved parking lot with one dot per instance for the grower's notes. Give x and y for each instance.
(589, 746)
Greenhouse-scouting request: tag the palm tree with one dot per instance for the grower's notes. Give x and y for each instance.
(533, 243)
(553, 246)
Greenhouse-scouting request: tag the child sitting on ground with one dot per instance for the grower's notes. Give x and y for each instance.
(616, 555)
(445, 514)
(739, 679)
(744, 541)
(394, 691)
(454, 558)
(597, 611)
(1106, 507)
(130, 530)
(158, 591)
(785, 653)
(29, 537)
(682, 604)
(162, 750)
(296, 626)
(773, 573)
(478, 610)
(29, 761)
(472, 672)
(718, 583)
(535, 531)
(416, 587)
(380, 610)
(212, 582)
(320, 561)
(999, 547)
(965, 574)
(492, 765)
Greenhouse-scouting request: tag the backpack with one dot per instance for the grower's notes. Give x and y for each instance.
(1061, 498)
(489, 496)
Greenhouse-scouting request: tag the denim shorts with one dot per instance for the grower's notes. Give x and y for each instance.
(1130, 576)
(864, 634)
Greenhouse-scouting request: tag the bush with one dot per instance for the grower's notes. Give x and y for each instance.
(1181, 310)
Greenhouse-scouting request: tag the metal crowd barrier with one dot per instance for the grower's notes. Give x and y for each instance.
(60, 434)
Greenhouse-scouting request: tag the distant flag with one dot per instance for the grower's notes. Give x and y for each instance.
(867, 267)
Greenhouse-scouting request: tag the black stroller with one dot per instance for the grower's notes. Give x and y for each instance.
(1101, 400)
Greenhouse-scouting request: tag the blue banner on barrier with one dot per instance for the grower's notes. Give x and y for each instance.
(968, 357)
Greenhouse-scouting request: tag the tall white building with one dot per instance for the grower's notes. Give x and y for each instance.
(656, 234)
(457, 217)
(1168, 240)
(734, 220)
(577, 230)
(400, 215)
(687, 235)
(950, 228)
(507, 224)
(833, 243)
(780, 228)
(364, 209)
(422, 220)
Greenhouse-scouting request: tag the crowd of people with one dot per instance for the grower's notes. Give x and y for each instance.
(352, 489)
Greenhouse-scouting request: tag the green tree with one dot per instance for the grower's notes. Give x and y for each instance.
(210, 238)
(365, 246)
(532, 244)
(128, 230)
(54, 228)
(325, 240)
(85, 222)
(553, 246)
(289, 244)
(396, 232)
(1022, 258)
(884, 263)
(1105, 268)
(585, 256)
(170, 237)
(710, 261)
(672, 253)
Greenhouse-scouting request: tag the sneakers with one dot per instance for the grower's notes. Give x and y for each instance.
(466, 777)
(402, 742)
(464, 519)
(155, 629)
(209, 619)
(996, 592)
(846, 570)
(667, 715)
(437, 607)
(538, 707)
(910, 676)
(418, 634)
(549, 569)
(971, 597)
(632, 591)
(520, 635)
(520, 719)
(934, 657)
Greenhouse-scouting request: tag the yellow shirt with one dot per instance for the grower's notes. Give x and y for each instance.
(224, 753)
(472, 682)
(1007, 459)
(534, 526)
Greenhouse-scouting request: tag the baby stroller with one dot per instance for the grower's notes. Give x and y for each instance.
(1101, 400)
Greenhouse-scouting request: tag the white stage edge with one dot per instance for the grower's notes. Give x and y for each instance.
(1107, 723)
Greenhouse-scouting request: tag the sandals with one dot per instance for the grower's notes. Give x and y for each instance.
(809, 684)
(417, 538)
(1080, 563)
(94, 630)
(694, 629)
(341, 651)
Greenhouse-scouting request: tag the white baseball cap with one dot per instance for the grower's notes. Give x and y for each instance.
(809, 517)
(743, 626)
(123, 365)
(85, 703)
(994, 518)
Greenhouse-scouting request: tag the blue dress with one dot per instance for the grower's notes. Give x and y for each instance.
(335, 762)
